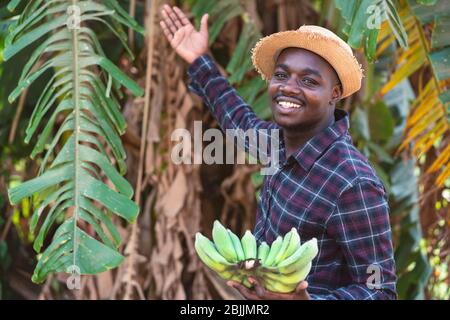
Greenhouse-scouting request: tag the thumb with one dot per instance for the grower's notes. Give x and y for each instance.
(204, 24)
(301, 287)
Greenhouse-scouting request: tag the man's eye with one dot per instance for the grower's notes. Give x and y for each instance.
(280, 75)
(309, 81)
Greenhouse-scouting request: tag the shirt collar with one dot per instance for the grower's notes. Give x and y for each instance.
(307, 154)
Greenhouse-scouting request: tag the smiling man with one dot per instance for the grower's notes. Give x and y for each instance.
(323, 186)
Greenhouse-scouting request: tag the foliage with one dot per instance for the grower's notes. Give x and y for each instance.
(70, 183)
(425, 126)
(428, 121)
(407, 52)
(363, 19)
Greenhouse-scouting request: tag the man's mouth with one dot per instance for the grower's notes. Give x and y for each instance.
(289, 103)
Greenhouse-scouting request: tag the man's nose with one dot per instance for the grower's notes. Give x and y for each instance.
(290, 87)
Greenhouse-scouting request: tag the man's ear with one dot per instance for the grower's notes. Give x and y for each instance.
(336, 94)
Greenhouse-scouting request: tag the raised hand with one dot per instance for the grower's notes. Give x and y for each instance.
(188, 43)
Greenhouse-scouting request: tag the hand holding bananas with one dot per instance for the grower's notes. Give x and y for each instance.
(278, 268)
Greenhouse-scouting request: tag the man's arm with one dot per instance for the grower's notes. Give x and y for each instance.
(360, 225)
(221, 98)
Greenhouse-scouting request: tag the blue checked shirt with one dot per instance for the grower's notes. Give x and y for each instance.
(326, 189)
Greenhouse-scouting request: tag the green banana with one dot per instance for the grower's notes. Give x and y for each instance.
(274, 249)
(239, 277)
(237, 246)
(263, 251)
(281, 266)
(299, 258)
(293, 278)
(226, 274)
(249, 245)
(284, 246)
(209, 255)
(276, 286)
(291, 247)
(223, 242)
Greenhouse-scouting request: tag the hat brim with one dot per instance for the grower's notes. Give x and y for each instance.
(345, 64)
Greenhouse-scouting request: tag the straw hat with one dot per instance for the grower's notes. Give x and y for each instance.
(319, 40)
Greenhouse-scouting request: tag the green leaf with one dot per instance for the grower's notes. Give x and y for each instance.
(257, 179)
(79, 180)
(32, 36)
(440, 63)
(121, 77)
(363, 20)
(261, 106)
(360, 123)
(427, 11)
(441, 33)
(249, 90)
(40, 183)
(403, 185)
(370, 43)
(396, 24)
(427, 2)
(380, 152)
(381, 123)
(12, 5)
(445, 98)
(383, 176)
(90, 255)
(5, 258)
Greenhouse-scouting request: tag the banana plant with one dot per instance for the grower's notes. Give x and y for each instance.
(363, 20)
(377, 130)
(80, 182)
(428, 120)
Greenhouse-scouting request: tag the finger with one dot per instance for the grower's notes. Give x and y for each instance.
(168, 20)
(247, 293)
(174, 18)
(166, 30)
(301, 287)
(301, 292)
(204, 24)
(259, 289)
(181, 16)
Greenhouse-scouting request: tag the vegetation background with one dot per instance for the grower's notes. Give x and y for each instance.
(399, 120)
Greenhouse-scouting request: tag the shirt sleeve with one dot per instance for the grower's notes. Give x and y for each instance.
(223, 101)
(360, 225)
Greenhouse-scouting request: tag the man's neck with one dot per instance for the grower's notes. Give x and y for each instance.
(294, 139)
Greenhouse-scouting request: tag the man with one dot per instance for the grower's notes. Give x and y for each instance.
(323, 186)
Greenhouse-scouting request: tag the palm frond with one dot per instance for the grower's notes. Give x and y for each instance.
(80, 182)
(363, 20)
(428, 121)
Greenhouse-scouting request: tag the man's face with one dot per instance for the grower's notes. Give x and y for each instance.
(301, 88)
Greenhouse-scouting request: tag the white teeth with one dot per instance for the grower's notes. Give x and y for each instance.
(286, 104)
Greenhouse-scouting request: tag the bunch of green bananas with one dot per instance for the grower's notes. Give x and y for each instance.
(279, 267)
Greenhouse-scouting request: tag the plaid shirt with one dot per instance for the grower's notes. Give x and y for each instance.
(326, 189)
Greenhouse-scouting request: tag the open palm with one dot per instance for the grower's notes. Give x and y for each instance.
(187, 42)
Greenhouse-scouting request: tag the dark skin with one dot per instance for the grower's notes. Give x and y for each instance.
(303, 77)
(258, 292)
(300, 76)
